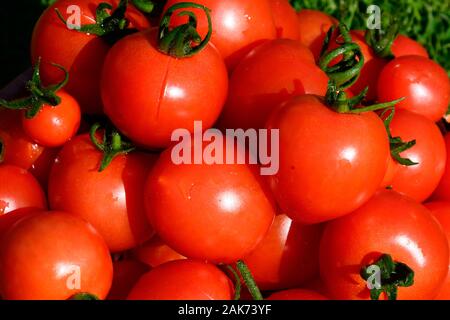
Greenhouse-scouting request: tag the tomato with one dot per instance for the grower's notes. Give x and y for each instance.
(126, 275)
(183, 280)
(424, 84)
(270, 74)
(392, 224)
(221, 218)
(8, 220)
(285, 19)
(419, 181)
(404, 46)
(112, 200)
(314, 26)
(52, 256)
(168, 93)
(322, 153)
(19, 189)
(42, 166)
(390, 173)
(80, 53)
(238, 26)
(287, 257)
(54, 126)
(442, 191)
(155, 252)
(296, 294)
(19, 149)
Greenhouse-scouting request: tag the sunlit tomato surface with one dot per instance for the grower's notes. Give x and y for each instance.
(296, 294)
(238, 26)
(424, 84)
(419, 181)
(54, 126)
(183, 280)
(285, 19)
(330, 163)
(80, 53)
(126, 275)
(442, 192)
(52, 256)
(19, 149)
(19, 189)
(404, 46)
(287, 257)
(270, 74)
(155, 252)
(112, 200)
(167, 93)
(217, 212)
(441, 210)
(389, 223)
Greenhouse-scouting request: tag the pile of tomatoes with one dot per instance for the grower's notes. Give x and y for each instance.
(92, 205)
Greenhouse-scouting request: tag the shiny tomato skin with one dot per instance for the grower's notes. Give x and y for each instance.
(155, 253)
(296, 294)
(442, 191)
(43, 165)
(419, 181)
(405, 46)
(8, 220)
(390, 172)
(126, 275)
(168, 93)
(54, 126)
(183, 280)
(285, 20)
(269, 75)
(424, 84)
(287, 257)
(80, 53)
(112, 200)
(238, 26)
(322, 153)
(389, 223)
(19, 189)
(217, 212)
(62, 247)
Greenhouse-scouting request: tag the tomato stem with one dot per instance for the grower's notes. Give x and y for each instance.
(84, 296)
(249, 280)
(237, 282)
(381, 41)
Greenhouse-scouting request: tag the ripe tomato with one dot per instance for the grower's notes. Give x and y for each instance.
(238, 26)
(54, 126)
(42, 166)
(296, 294)
(271, 74)
(155, 252)
(183, 280)
(112, 200)
(442, 192)
(126, 275)
(8, 220)
(424, 84)
(404, 46)
(287, 257)
(418, 181)
(322, 153)
(52, 256)
(221, 218)
(285, 20)
(389, 223)
(80, 53)
(168, 93)
(19, 189)
(390, 172)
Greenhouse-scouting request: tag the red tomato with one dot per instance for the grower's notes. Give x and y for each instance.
(404, 46)
(297, 294)
(183, 280)
(19, 189)
(424, 84)
(285, 19)
(322, 153)
(442, 192)
(42, 166)
(217, 212)
(8, 220)
(112, 200)
(271, 74)
(287, 257)
(168, 93)
(80, 53)
(238, 26)
(419, 181)
(52, 256)
(126, 275)
(390, 172)
(155, 252)
(389, 223)
(54, 126)
(314, 26)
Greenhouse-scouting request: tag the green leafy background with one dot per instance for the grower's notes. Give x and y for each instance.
(427, 21)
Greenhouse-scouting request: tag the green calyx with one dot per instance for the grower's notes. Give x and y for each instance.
(381, 40)
(112, 145)
(146, 6)
(84, 296)
(183, 41)
(39, 95)
(385, 276)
